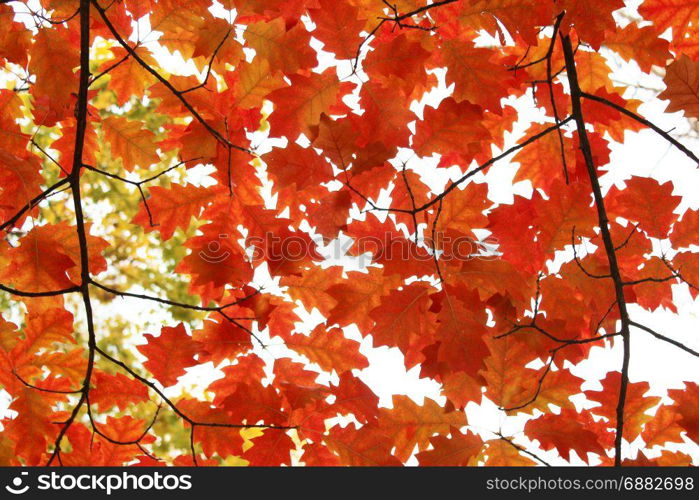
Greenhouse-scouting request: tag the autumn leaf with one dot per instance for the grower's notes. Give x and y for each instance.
(329, 349)
(299, 106)
(355, 397)
(339, 187)
(399, 63)
(542, 162)
(358, 297)
(169, 353)
(20, 180)
(32, 428)
(663, 428)
(675, 14)
(477, 79)
(130, 142)
(338, 26)
(459, 449)
(128, 77)
(411, 425)
(254, 82)
(685, 406)
(457, 140)
(273, 448)
(221, 339)
(39, 263)
(635, 410)
(565, 432)
(116, 390)
(500, 453)
(16, 40)
(683, 233)
(682, 81)
(636, 203)
(54, 82)
(367, 447)
(172, 208)
(271, 41)
(44, 327)
(403, 320)
(640, 45)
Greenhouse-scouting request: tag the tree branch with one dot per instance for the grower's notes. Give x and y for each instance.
(522, 449)
(140, 183)
(50, 293)
(576, 98)
(665, 339)
(172, 302)
(454, 184)
(42, 389)
(645, 122)
(177, 93)
(174, 407)
(81, 117)
(32, 203)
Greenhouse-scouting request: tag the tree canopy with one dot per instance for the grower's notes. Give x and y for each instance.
(176, 179)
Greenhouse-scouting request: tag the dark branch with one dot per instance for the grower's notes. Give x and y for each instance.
(174, 407)
(523, 450)
(42, 389)
(577, 261)
(454, 184)
(645, 122)
(32, 203)
(554, 107)
(136, 441)
(211, 62)
(665, 339)
(81, 127)
(545, 333)
(585, 146)
(172, 302)
(540, 383)
(139, 184)
(177, 93)
(50, 293)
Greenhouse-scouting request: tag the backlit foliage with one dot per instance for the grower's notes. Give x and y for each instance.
(173, 176)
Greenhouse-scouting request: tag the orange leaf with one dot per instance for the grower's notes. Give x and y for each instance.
(635, 409)
(453, 130)
(647, 202)
(639, 44)
(565, 432)
(682, 81)
(169, 353)
(410, 425)
(458, 450)
(299, 106)
(130, 142)
(338, 26)
(329, 349)
(675, 14)
(172, 208)
(500, 453)
(117, 390)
